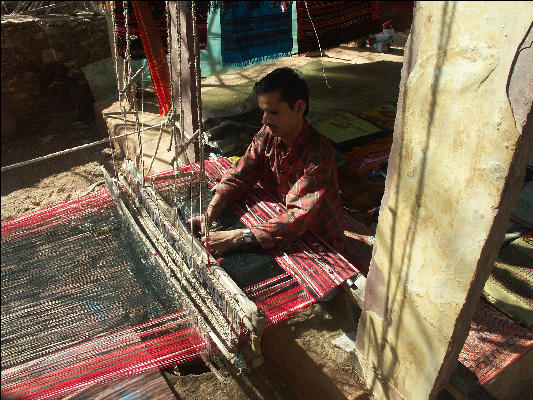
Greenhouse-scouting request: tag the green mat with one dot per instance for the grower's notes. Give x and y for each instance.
(510, 284)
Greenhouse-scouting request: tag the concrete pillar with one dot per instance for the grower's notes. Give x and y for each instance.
(462, 138)
(187, 69)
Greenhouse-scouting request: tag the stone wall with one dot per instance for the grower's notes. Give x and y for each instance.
(41, 61)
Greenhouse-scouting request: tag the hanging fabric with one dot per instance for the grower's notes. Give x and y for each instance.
(335, 22)
(158, 12)
(254, 34)
(155, 54)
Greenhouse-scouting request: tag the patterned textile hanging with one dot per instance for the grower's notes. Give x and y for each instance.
(254, 34)
(157, 9)
(335, 22)
(155, 54)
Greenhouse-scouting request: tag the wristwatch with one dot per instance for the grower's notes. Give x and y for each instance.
(247, 235)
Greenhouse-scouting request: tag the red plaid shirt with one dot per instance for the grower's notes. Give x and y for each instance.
(305, 178)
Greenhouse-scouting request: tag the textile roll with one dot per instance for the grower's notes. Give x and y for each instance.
(335, 22)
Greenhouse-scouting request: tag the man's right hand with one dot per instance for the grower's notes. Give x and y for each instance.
(197, 225)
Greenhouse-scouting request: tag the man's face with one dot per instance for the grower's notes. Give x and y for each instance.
(278, 116)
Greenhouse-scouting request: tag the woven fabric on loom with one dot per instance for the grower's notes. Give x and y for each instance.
(335, 22)
(83, 305)
(510, 284)
(493, 343)
(252, 34)
(79, 307)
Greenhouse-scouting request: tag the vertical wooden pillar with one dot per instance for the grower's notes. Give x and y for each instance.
(462, 138)
(186, 68)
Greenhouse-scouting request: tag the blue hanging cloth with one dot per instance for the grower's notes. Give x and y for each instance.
(253, 34)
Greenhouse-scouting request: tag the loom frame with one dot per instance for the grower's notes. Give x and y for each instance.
(160, 230)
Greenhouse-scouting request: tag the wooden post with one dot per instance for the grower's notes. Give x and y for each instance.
(462, 139)
(185, 67)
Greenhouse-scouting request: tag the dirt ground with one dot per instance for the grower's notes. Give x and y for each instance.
(300, 359)
(59, 179)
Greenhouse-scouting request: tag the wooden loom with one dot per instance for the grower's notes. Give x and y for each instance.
(221, 309)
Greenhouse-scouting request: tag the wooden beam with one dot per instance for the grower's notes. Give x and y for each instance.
(183, 65)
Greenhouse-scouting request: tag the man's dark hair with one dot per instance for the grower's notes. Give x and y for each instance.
(288, 82)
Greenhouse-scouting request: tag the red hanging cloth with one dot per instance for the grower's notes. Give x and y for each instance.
(155, 54)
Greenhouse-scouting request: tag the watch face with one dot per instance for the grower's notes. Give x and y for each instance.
(247, 235)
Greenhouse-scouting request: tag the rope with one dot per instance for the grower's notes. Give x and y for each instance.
(203, 208)
(169, 47)
(126, 72)
(82, 147)
(319, 47)
(173, 133)
(196, 49)
(113, 22)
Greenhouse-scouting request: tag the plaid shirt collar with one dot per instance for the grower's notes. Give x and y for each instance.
(298, 145)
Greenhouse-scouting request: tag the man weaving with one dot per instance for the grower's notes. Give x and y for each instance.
(290, 158)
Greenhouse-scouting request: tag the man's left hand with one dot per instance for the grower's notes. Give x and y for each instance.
(223, 241)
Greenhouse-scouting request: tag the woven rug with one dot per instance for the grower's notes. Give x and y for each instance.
(380, 117)
(369, 156)
(510, 284)
(493, 343)
(335, 22)
(250, 34)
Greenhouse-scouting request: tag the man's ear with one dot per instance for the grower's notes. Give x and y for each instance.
(300, 106)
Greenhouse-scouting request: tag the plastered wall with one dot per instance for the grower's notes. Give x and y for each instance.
(457, 161)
